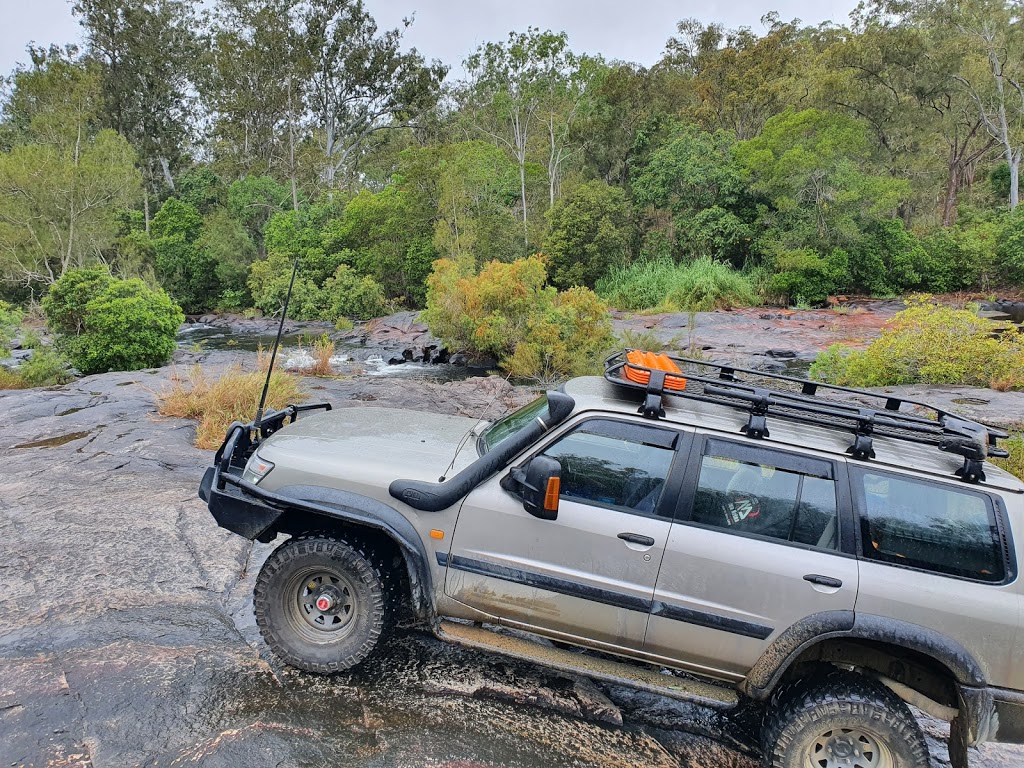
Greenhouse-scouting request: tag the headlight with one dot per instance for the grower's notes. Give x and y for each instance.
(256, 469)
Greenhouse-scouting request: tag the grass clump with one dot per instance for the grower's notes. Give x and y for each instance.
(322, 351)
(1015, 463)
(929, 344)
(662, 285)
(232, 396)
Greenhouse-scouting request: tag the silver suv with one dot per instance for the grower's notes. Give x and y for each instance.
(823, 554)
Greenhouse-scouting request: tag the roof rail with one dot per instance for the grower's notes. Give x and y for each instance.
(770, 395)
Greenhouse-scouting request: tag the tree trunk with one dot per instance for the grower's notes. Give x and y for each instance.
(1014, 179)
(950, 198)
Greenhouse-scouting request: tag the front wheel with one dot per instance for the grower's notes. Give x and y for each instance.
(842, 720)
(320, 604)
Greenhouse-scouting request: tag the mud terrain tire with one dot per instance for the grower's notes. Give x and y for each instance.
(842, 720)
(320, 604)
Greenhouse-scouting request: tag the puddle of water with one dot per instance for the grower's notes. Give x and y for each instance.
(970, 401)
(53, 442)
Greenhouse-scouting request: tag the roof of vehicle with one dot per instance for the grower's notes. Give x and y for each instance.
(597, 394)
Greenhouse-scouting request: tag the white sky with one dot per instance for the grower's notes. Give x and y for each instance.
(631, 30)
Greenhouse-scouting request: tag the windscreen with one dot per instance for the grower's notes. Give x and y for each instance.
(509, 425)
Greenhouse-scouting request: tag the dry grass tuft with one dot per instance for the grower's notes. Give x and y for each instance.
(232, 396)
(323, 351)
(11, 380)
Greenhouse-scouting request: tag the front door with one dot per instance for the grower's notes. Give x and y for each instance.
(757, 549)
(590, 573)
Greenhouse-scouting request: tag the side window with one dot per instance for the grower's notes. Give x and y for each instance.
(925, 525)
(615, 464)
(783, 496)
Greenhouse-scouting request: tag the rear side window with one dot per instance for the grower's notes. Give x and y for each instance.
(929, 526)
(743, 489)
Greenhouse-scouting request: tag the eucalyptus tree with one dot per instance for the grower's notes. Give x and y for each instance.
(252, 84)
(901, 78)
(360, 81)
(64, 178)
(739, 79)
(147, 50)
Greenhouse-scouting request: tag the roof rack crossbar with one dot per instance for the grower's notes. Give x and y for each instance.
(899, 418)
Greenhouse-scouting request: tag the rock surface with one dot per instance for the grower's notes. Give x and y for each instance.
(127, 637)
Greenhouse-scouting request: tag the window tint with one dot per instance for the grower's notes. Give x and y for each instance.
(615, 464)
(766, 499)
(924, 525)
(511, 424)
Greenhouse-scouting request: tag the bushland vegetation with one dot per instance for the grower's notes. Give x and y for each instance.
(930, 344)
(204, 152)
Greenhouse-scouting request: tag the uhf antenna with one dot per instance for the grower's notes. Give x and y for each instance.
(277, 343)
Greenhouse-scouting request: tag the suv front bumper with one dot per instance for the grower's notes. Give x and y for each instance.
(237, 505)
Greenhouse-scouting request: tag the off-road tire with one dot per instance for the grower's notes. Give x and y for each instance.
(855, 710)
(290, 628)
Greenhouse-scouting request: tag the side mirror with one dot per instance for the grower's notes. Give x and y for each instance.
(539, 483)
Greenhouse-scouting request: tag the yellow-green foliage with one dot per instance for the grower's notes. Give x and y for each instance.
(509, 312)
(232, 396)
(1015, 464)
(929, 344)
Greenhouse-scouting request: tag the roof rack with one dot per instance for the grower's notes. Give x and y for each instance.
(765, 395)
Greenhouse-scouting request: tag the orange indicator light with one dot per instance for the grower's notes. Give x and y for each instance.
(436, 534)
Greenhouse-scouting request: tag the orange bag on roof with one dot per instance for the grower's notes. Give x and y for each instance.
(637, 360)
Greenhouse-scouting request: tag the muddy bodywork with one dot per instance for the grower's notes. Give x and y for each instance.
(405, 476)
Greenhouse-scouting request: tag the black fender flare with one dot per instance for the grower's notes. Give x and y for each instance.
(819, 627)
(363, 511)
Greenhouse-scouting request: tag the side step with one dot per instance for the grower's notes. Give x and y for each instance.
(633, 676)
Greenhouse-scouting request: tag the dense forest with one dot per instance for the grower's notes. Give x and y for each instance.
(204, 151)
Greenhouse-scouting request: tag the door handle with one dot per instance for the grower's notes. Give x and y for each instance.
(825, 581)
(636, 538)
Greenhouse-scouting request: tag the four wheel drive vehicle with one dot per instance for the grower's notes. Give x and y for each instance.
(826, 554)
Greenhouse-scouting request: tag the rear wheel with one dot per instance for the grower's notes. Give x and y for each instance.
(320, 604)
(842, 720)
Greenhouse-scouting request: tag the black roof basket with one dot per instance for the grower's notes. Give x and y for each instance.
(764, 395)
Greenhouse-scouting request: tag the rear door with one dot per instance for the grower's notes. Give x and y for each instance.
(758, 547)
(591, 572)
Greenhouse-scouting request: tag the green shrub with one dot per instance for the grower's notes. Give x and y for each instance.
(884, 260)
(701, 285)
(958, 259)
(349, 295)
(9, 320)
(929, 344)
(804, 276)
(45, 368)
(1010, 251)
(122, 325)
(590, 232)
(508, 312)
(344, 294)
(64, 306)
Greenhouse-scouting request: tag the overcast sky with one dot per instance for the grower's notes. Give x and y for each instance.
(631, 30)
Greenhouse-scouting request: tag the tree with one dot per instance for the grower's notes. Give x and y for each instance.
(738, 78)
(147, 52)
(504, 91)
(360, 82)
(696, 178)
(590, 232)
(473, 187)
(63, 182)
(252, 81)
(900, 77)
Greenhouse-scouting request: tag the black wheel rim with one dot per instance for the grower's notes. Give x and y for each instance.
(321, 604)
